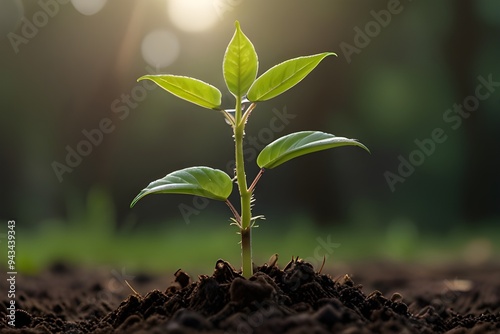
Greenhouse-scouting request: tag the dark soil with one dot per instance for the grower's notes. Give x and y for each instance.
(295, 299)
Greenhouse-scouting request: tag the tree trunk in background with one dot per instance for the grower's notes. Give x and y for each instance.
(479, 179)
(313, 184)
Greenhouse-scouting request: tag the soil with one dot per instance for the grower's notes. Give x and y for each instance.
(294, 299)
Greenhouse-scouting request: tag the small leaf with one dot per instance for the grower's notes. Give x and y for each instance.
(298, 144)
(240, 63)
(189, 89)
(199, 181)
(284, 76)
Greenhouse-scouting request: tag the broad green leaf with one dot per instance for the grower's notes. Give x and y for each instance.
(199, 181)
(240, 63)
(282, 77)
(189, 89)
(298, 144)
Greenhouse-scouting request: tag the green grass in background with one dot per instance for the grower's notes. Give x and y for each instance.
(90, 238)
(197, 248)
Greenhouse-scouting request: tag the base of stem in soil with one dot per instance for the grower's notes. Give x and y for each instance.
(295, 299)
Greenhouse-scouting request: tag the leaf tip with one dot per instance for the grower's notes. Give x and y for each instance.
(144, 77)
(363, 147)
(136, 199)
(329, 53)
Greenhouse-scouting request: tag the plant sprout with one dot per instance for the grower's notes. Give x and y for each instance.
(240, 67)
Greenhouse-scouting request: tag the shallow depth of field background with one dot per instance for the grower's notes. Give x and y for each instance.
(70, 67)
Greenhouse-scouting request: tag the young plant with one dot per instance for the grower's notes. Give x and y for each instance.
(240, 66)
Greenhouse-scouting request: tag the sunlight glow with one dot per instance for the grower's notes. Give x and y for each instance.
(192, 15)
(88, 7)
(160, 48)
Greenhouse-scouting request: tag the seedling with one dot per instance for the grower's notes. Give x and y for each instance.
(240, 67)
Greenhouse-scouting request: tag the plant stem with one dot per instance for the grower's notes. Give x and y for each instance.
(245, 193)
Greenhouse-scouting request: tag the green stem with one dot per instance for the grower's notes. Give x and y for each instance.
(245, 193)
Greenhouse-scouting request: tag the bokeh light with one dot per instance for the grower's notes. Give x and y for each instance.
(88, 7)
(160, 48)
(11, 12)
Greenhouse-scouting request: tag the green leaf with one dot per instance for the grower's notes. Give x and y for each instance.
(199, 181)
(189, 89)
(240, 63)
(298, 144)
(284, 76)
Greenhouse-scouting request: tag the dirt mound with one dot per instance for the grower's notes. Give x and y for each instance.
(295, 299)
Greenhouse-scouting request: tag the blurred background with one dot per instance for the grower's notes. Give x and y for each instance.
(418, 82)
